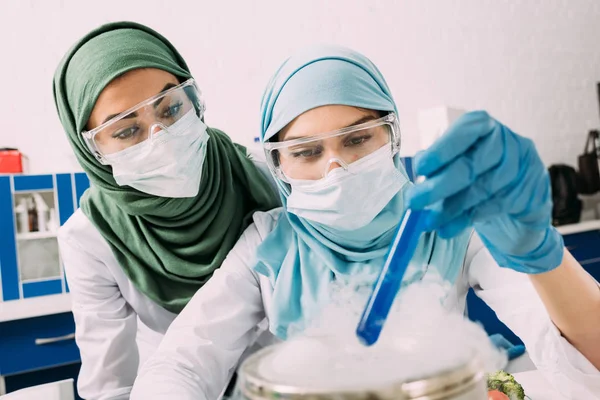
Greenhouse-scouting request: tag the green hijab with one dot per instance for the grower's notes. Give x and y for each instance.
(167, 247)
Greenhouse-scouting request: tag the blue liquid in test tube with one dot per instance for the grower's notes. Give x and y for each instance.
(390, 278)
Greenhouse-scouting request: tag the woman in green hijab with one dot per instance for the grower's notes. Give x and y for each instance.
(169, 197)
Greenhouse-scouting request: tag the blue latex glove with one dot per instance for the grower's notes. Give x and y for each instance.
(481, 174)
(512, 351)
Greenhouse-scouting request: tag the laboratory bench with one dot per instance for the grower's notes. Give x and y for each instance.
(37, 330)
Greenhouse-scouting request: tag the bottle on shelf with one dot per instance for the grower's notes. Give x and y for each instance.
(22, 212)
(42, 212)
(33, 223)
(52, 221)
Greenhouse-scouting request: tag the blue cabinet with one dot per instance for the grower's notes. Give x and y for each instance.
(36, 343)
(35, 348)
(30, 264)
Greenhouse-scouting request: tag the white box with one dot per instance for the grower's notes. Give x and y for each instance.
(433, 122)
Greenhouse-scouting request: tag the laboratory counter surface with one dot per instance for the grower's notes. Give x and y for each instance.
(35, 307)
(536, 386)
(584, 226)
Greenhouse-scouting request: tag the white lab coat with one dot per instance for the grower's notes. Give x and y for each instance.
(204, 343)
(117, 326)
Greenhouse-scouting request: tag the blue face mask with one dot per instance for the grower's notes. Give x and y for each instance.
(348, 198)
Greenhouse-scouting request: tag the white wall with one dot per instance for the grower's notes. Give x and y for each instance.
(532, 64)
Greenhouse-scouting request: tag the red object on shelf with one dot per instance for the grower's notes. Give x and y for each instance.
(12, 161)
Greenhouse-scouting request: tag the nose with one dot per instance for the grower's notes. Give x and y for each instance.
(334, 160)
(156, 129)
(333, 164)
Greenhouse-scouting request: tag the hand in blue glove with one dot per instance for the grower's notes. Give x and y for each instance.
(481, 174)
(512, 351)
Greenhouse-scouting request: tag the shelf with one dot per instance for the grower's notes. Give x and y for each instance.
(35, 235)
(29, 192)
(35, 307)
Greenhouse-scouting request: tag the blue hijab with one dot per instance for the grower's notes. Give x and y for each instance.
(302, 258)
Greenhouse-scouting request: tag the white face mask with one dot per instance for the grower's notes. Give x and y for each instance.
(348, 199)
(169, 165)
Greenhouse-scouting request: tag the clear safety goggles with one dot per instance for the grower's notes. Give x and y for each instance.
(144, 121)
(311, 158)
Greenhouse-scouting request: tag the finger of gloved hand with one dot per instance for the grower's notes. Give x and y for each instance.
(424, 194)
(512, 351)
(498, 206)
(456, 226)
(515, 351)
(500, 341)
(484, 155)
(502, 189)
(483, 189)
(469, 128)
(532, 185)
(489, 209)
(446, 213)
(527, 198)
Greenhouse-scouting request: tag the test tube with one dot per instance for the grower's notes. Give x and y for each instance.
(390, 278)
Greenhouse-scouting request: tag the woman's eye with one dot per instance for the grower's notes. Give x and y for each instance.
(127, 133)
(358, 140)
(172, 111)
(307, 153)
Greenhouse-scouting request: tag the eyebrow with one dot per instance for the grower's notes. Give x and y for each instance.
(167, 87)
(359, 121)
(134, 114)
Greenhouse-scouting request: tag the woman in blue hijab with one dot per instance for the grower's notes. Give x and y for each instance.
(331, 135)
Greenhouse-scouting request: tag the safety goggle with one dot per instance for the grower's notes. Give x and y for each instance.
(311, 158)
(144, 121)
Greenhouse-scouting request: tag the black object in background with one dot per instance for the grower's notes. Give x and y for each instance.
(589, 174)
(567, 206)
